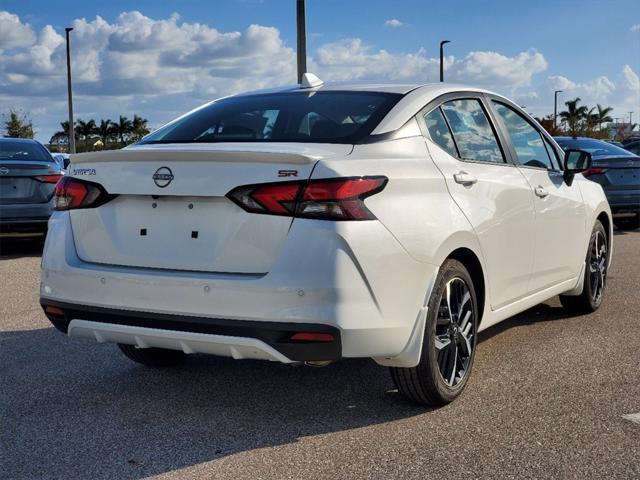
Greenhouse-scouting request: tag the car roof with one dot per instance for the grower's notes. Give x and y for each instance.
(565, 137)
(22, 140)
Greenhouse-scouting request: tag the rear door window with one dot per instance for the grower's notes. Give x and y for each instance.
(472, 132)
(439, 131)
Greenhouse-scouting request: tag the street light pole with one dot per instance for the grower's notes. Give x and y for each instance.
(72, 131)
(630, 120)
(302, 39)
(555, 108)
(442, 43)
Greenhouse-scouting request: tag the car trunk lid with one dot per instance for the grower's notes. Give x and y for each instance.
(26, 182)
(621, 172)
(171, 211)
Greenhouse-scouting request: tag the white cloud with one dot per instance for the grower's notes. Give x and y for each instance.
(14, 33)
(635, 28)
(393, 23)
(598, 89)
(160, 68)
(351, 59)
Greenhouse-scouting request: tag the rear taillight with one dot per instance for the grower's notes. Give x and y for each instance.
(594, 171)
(71, 193)
(49, 178)
(326, 199)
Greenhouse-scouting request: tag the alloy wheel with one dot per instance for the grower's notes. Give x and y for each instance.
(455, 331)
(598, 266)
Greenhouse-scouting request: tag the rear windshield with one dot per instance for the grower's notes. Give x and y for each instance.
(327, 117)
(594, 147)
(12, 150)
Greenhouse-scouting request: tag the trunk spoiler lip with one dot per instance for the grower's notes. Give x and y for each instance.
(612, 161)
(292, 153)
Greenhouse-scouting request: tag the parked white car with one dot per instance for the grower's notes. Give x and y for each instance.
(316, 222)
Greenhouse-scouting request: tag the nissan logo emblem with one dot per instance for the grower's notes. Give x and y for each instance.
(163, 177)
(4, 170)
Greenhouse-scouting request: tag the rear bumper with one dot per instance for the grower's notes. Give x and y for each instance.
(623, 201)
(234, 338)
(25, 217)
(328, 277)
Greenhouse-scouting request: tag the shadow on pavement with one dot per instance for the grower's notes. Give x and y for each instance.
(18, 247)
(65, 401)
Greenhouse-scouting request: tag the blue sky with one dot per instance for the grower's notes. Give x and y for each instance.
(525, 50)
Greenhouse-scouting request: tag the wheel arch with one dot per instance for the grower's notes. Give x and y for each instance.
(472, 263)
(603, 214)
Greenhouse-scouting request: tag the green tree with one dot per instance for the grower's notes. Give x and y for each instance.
(105, 130)
(61, 136)
(138, 128)
(574, 115)
(122, 129)
(86, 130)
(18, 125)
(603, 115)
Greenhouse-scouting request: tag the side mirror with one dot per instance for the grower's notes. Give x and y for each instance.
(66, 162)
(575, 161)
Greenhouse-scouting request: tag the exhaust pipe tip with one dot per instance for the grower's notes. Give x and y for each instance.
(317, 363)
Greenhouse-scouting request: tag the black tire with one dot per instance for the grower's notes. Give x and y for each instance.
(592, 293)
(425, 383)
(627, 223)
(153, 357)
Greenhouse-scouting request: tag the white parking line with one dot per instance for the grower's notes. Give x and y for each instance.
(633, 417)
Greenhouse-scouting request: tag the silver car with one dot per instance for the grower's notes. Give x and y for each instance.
(28, 176)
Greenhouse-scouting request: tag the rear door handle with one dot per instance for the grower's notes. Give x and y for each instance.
(464, 178)
(541, 192)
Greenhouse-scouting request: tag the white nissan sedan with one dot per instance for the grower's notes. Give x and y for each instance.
(320, 222)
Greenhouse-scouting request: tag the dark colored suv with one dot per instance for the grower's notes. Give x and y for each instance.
(28, 175)
(618, 171)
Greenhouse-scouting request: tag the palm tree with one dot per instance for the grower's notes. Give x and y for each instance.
(574, 115)
(139, 127)
(122, 129)
(86, 130)
(61, 136)
(590, 121)
(603, 115)
(105, 130)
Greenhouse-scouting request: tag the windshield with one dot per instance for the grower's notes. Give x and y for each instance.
(594, 147)
(13, 150)
(327, 117)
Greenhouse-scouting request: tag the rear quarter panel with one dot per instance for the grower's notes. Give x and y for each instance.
(595, 204)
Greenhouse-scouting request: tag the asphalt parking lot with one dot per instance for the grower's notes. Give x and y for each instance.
(547, 399)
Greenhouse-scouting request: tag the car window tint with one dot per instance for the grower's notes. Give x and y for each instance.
(634, 148)
(297, 116)
(439, 131)
(19, 150)
(472, 131)
(527, 141)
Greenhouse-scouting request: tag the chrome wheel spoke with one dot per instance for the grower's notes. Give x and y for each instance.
(466, 344)
(448, 293)
(465, 320)
(453, 360)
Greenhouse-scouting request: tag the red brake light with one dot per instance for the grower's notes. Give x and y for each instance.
(594, 171)
(71, 193)
(326, 199)
(49, 178)
(54, 311)
(312, 337)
